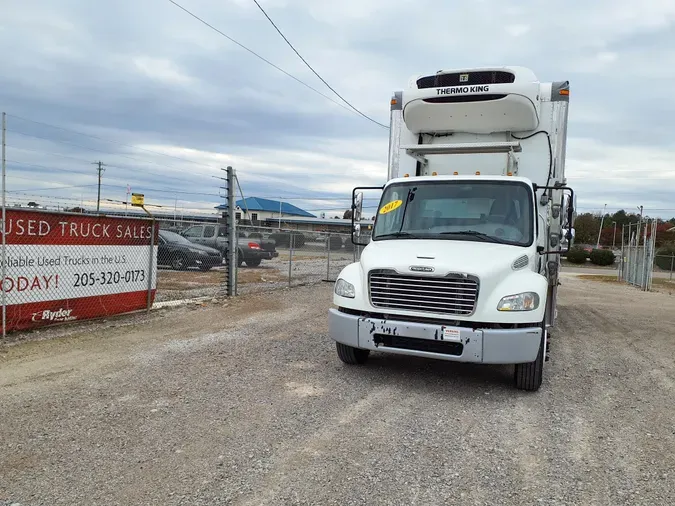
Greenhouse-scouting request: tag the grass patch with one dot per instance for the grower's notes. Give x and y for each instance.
(612, 279)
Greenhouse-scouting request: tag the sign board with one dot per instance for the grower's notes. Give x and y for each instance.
(137, 199)
(63, 267)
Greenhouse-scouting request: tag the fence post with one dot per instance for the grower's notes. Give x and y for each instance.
(672, 259)
(290, 259)
(4, 221)
(150, 263)
(328, 258)
(232, 266)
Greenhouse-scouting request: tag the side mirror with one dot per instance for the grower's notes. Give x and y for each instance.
(357, 216)
(357, 206)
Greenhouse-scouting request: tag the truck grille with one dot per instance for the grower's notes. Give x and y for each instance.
(472, 78)
(454, 294)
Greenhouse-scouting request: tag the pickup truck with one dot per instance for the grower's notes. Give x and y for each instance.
(252, 252)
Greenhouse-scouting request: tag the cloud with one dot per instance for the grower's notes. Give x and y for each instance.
(147, 78)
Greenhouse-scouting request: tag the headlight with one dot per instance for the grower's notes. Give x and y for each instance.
(344, 289)
(526, 301)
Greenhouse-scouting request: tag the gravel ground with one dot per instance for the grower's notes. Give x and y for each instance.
(308, 267)
(245, 402)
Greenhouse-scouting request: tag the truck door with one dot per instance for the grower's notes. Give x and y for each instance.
(194, 234)
(209, 235)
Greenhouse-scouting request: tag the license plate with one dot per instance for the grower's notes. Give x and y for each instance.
(450, 334)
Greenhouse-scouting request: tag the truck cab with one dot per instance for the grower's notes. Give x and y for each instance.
(463, 260)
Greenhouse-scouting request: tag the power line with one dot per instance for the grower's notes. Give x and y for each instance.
(51, 188)
(145, 171)
(260, 57)
(314, 71)
(110, 141)
(48, 168)
(107, 153)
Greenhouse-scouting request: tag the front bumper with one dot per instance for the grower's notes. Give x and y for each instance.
(255, 254)
(487, 346)
(207, 261)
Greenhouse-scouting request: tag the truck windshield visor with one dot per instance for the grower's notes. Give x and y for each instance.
(484, 211)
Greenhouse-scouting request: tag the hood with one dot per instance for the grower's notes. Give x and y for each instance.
(444, 256)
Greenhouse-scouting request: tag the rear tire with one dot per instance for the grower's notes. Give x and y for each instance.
(529, 376)
(253, 263)
(350, 355)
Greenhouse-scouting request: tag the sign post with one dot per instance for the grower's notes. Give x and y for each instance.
(138, 200)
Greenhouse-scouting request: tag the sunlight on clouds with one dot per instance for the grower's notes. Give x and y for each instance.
(161, 69)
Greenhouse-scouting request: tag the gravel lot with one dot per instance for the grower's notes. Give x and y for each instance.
(246, 403)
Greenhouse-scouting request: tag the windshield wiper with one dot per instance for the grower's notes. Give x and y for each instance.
(475, 233)
(398, 234)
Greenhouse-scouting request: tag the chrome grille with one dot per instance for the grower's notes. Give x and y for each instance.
(454, 294)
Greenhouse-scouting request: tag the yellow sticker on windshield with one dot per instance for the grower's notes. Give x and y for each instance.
(387, 208)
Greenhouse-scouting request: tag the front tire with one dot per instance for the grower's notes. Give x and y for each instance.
(350, 355)
(178, 263)
(529, 376)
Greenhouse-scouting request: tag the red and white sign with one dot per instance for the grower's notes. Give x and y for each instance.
(63, 267)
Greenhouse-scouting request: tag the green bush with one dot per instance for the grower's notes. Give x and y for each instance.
(664, 257)
(602, 257)
(577, 255)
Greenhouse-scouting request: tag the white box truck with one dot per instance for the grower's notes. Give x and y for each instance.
(464, 256)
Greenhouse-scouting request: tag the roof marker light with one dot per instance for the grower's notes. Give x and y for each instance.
(406, 175)
(455, 173)
(564, 92)
(434, 173)
(478, 173)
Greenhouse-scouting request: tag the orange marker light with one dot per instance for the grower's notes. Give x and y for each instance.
(478, 173)
(434, 173)
(455, 173)
(406, 175)
(564, 92)
(509, 173)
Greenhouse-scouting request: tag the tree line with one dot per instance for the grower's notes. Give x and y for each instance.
(587, 226)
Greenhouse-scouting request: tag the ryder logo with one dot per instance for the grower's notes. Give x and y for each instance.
(62, 315)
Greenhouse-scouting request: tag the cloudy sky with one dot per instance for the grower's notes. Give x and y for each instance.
(165, 101)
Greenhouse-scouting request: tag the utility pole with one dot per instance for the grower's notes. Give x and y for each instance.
(614, 236)
(100, 171)
(597, 246)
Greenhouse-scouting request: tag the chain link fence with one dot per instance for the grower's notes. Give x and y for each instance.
(638, 241)
(191, 259)
(293, 258)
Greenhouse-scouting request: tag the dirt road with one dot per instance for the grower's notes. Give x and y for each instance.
(249, 405)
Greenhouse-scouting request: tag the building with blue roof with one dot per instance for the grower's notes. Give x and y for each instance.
(256, 210)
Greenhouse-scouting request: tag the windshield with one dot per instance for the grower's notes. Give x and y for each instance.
(457, 210)
(174, 238)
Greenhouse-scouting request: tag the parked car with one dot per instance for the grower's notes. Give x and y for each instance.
(176, 251)
(248, 250)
